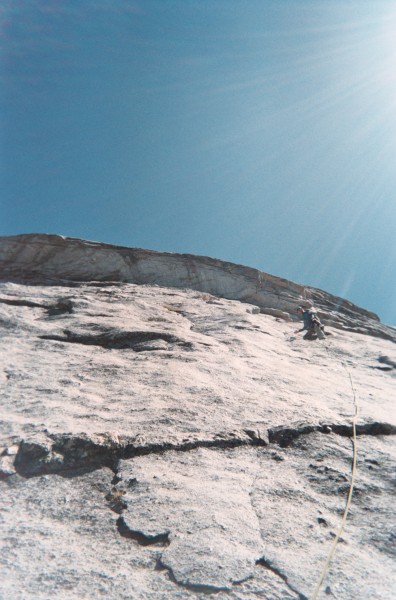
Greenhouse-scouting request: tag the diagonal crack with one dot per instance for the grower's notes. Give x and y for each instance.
(192, 587)
(268, 565)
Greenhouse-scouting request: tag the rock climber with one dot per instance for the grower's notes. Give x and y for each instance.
(312, 323)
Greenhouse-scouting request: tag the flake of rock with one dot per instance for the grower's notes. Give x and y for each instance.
(201, 501)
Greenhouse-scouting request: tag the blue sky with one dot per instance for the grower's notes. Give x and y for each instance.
(256, 131)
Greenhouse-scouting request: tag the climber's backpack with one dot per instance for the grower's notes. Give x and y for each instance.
(315, 323)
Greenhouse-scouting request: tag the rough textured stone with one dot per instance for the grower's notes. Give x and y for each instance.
(159, 442)
(54, 258)
(214, 538)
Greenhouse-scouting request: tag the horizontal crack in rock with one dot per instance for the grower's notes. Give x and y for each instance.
(20, 302)
(373, 429)
(70, 454)
(119, 340)
(284, 436)
(82, 455)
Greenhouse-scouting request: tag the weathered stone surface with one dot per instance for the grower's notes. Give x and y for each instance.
(60, 540)
(303, 498)
(53, 258)
(214, 538)
(158, 442)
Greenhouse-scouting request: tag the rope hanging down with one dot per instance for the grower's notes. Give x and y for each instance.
(353, 475)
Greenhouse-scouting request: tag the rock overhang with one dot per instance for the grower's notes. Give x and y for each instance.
(57, 259)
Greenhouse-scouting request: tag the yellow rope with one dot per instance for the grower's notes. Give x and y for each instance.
(341, 529)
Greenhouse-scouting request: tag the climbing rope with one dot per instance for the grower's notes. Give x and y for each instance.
(353, 475)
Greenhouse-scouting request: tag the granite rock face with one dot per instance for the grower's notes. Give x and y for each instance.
(56, 259)
(163, 437)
